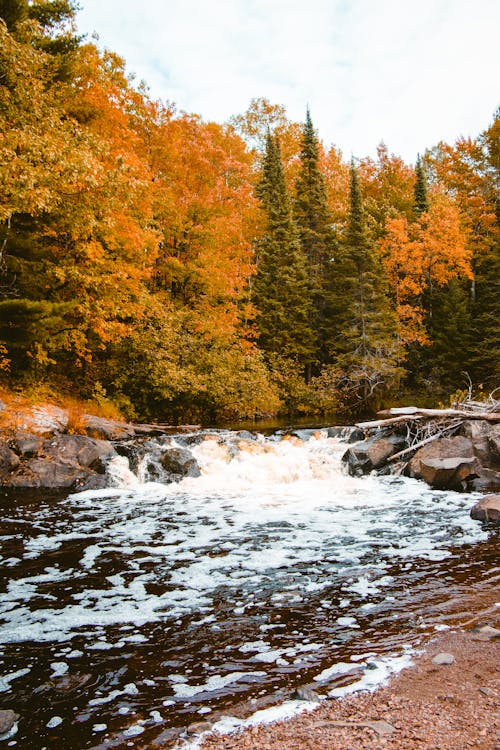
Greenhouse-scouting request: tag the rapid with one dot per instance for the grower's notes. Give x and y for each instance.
(129, 613)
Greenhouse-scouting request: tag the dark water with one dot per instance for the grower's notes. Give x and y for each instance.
(144, 609)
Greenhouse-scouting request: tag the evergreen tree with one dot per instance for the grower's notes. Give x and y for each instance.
(421, 203)
(317, 238)
(486, 307)
(447, 358)
(281, 291)
(368, 352)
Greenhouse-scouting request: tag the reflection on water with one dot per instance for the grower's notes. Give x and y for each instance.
(127, 614)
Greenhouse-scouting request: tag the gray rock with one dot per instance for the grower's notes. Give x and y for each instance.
(26, 444)
(8, 719)
(108, 429)
(198, 727)
(77, 449)
(487, 480)
(487, 509)
(371, 454)
(443, 659)
(9, 461)
(494, 445)
(181, 462)
(306, 693)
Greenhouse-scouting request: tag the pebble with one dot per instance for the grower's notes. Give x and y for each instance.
(443, 658)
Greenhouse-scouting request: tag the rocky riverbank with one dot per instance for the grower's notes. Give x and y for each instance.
(39, 452)
(448, 700)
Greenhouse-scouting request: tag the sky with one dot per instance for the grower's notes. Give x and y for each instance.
(403, 72)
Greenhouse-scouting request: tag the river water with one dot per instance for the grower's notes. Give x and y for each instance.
(126, 614)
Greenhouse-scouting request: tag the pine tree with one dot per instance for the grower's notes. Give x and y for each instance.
(368, 352)
(421, 203)
(280, 290)
(486, 307)
(317, 237)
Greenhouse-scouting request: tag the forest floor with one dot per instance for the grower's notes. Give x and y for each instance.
(429, 706)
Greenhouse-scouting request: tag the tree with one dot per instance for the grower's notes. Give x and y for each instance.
(280, 287)
(367, 346)
(317, 237)
(420, 203)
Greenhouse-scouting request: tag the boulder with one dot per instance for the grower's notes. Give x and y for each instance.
(371, 454)
(348, 434)
(487, 509)
(488, 480)
(8, 721)
(9, 461)
(478, 432)
(446, 463)
(62, 462)
(494, 445)
(108, 429)
(180, 462)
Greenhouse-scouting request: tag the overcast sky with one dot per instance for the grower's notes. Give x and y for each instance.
(408, 73)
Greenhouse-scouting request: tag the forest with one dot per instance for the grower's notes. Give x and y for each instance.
(188, 270)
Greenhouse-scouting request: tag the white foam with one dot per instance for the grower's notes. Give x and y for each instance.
(216, 682)
(6, 679)
(54, 722)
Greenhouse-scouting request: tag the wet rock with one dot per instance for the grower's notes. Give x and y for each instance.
(8, 720)
(487, 480)
(446, 464)
(198, 727)
(306, 693)
(443, 659)
(349, 434)
(371, 454)
(486, 633)
(487, 509)
(9, 461)
(77, 449)
(180, 462)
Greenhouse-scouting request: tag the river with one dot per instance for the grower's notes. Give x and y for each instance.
(127, 614)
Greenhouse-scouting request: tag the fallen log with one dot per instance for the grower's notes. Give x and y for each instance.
(414, 411)
(384, 422)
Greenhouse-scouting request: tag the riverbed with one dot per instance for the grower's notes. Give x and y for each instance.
(129, 613)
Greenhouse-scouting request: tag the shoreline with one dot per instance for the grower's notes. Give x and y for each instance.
(449, 706)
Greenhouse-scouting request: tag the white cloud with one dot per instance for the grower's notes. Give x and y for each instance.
(410, 74)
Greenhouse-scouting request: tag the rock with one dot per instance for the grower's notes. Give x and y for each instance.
(198, 727)
(107, 429)
(380, 726)
(181, 462)
(349, 434)
(494, 445)
(306, 694)
(478, 432)
(26, 444)
(9, 461)
(371, 454)
(443, 658)
(487, 480)
(63, 462)
(487, 509)
(486, 633)
(8, 719)
(446, 463)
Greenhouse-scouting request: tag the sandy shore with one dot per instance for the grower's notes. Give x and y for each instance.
(428, 706)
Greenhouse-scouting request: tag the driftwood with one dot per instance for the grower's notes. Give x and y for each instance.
(411, 412)
(384, 422)
(429, 439)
